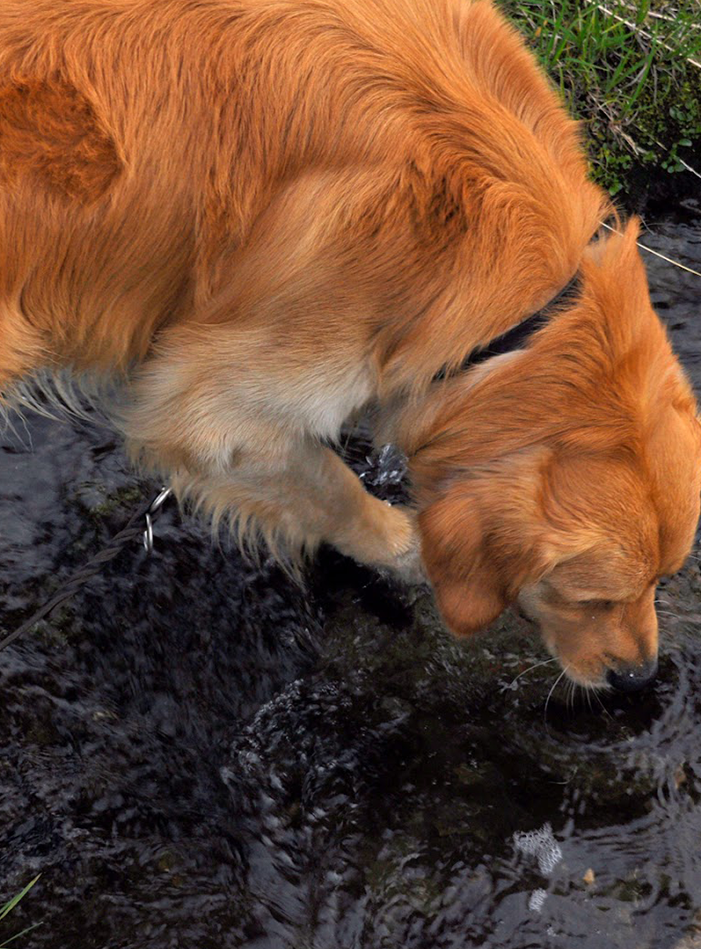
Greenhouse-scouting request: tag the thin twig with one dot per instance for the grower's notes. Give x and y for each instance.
(655, 252)
(638, 31)
(662, 16)
(688, 167)
(682, 162)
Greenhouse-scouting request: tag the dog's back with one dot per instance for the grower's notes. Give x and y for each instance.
(141, 142)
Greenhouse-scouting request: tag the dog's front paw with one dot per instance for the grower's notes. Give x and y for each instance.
(408, 566)
(386, 537)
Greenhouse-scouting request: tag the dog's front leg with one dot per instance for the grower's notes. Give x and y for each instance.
(303, 497)
(247, 460)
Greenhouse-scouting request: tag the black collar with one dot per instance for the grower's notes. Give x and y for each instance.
(518, 335)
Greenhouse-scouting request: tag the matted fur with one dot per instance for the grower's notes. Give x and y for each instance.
(257, 217)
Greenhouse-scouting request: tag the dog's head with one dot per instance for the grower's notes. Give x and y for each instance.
(567, 480)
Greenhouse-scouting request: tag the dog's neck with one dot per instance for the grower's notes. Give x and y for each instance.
(407, 420)
(517, 337)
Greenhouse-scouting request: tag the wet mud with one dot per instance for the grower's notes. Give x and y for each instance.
(195, 752)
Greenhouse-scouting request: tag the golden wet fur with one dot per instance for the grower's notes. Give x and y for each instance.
(263, 216)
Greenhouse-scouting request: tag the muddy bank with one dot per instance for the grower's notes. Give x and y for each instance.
(196, 753)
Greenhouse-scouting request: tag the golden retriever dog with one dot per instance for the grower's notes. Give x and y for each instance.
(257, 218)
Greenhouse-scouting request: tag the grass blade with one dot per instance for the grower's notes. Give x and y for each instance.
(23, 933)
(10, 905)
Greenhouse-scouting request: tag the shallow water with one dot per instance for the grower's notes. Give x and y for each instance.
(195, 753)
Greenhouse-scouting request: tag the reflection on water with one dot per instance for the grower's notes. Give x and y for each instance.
(195, 753)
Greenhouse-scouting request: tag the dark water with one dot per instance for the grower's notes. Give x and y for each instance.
(196, 753)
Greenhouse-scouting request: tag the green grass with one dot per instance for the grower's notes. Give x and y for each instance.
(10, 905)
(630, 70)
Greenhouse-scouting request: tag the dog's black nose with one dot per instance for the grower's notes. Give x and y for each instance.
(632, 678)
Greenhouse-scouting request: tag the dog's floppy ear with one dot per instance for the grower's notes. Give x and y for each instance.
(485, 537)
(468, 584)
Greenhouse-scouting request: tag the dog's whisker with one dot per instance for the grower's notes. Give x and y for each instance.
(670, 611)
(554, 686)
(606, 712)
(536, 665)
(572, 690)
